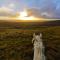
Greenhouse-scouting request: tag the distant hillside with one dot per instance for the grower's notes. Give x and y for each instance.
(52, 23)
(7, 24)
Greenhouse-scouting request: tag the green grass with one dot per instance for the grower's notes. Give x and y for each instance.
(15, 44)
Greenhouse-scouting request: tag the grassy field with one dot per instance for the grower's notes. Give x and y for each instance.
(15, 44)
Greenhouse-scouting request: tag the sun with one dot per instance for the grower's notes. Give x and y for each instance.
(24, 16)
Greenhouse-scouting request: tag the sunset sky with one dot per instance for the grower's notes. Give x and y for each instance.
(41, 8)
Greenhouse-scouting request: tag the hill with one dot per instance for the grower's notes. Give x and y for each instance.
(26, 25)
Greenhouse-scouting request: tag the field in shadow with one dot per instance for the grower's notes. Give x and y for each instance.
(15, 44)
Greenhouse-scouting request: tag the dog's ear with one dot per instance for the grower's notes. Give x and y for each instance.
(34, 35)
(40, 35)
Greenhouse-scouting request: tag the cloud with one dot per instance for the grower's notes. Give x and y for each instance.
(51, 9)
(46, 14)
(6, 11)
(43, 14)
(11, 5)
(48, 9)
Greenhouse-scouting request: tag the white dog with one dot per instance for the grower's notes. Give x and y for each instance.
(38, 47)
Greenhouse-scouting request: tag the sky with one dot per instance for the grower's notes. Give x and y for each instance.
(41, 8)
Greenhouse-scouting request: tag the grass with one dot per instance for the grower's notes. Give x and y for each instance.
(15, 44)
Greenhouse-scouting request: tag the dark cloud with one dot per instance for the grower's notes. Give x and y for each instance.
(48, 9)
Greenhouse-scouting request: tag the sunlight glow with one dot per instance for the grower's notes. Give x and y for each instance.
(24, 16)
